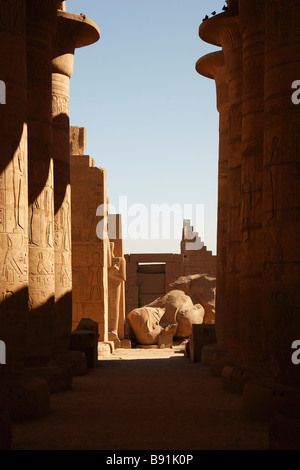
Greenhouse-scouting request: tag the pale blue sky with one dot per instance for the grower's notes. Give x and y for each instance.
(151, 120)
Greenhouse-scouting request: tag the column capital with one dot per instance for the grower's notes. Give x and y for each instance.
(73, 31)
(213, 66)
(221, 30)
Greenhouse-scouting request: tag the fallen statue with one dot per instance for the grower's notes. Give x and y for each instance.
(170, 315)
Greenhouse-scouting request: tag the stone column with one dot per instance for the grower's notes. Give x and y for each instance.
(213, 66)
(223, 30)
(281, 198)
(72, 31)
(251, 14)
(13, 185)
(41, 27)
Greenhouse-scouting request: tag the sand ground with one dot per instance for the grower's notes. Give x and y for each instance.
(143, 400)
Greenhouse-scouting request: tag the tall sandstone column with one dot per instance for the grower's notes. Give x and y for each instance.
(281, 199)
(41, 28)
(13, 185)
(251, 14)
(213, 66)
(72, 31)
(223, 30)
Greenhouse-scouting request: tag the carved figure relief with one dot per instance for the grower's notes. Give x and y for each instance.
(273, 265)
(11, 269)
(95, 278)
(18, 176)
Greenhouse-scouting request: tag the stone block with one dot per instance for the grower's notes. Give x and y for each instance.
(125, 344)
(77, 140)
(210, 352)
(77, 360)
(58, 376)
(262, 397)
(87, 342)
(201, 335)
(105, 348)
(234, 378)
(152, 258)
(24, 397)
(5, 430)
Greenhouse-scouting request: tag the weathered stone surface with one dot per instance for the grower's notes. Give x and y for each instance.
(14, 276)
(77, 140)
(58, 376)
(24, 397)
(213, 66)
(202, 289)
(87, 342)
(281, 194)
(40, 35)
(201, 336)
(259, 207)
(87, 324)
(223, 30)
(211, 351)
(89, 253)
(172, 314)
(76, 359)
(186, 313)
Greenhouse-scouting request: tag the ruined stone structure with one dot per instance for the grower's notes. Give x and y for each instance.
(37, 43)
(89, 253)
(149, 275)
(258, 269)
(98, 263)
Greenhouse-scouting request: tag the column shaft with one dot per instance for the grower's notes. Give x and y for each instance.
(13, 185)
(252, 27)
(41, 22)
(62, 210)
(231, 43)
(281, 198)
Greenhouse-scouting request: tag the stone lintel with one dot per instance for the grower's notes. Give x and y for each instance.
(152, 258)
